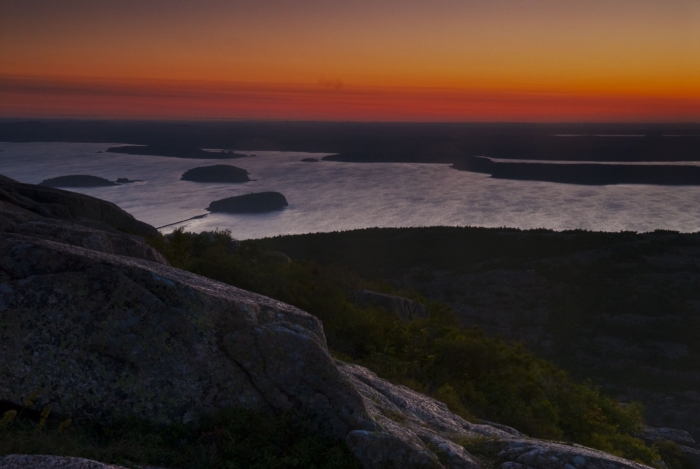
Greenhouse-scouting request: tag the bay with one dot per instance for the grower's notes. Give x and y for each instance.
(331, 196)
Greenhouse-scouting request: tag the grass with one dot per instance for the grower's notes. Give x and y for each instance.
(229, 440)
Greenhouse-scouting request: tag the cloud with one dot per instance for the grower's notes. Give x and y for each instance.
(43, 97)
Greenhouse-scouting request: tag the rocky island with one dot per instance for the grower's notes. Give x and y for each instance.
(216, 173)
(257, 202)
(79, 180)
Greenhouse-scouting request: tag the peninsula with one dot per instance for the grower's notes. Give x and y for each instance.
(176, 151)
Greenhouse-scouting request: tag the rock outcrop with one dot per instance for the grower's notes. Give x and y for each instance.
(102, 333)
(258, 202)
(422, 432)
(216, 173)
(70, 206)
(78, 180)
(404, 308)
(655, 435)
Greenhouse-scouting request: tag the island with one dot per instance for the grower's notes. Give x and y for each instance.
(77, 180)
(176, 151)
(216, 173)
(257, 202)
(310, 160)
(584, 173)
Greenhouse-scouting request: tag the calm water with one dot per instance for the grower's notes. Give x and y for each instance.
(328, 196)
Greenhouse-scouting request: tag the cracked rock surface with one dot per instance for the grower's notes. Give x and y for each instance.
(100, 328)
(100, 336)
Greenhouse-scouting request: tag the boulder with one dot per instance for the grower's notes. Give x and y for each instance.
(79, 180)
(257, 202)
(82, 232)
(653, 435)
(112, 242)
(404, 308)
(100, 336)
(216, 173)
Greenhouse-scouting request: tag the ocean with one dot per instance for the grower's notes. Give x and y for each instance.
(332, 196)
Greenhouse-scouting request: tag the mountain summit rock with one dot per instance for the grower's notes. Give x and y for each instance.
(97, 325)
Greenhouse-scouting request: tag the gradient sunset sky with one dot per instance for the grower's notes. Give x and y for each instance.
(400, 60)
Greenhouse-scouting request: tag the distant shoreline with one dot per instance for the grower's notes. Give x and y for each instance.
(175, 151)
(584, 173)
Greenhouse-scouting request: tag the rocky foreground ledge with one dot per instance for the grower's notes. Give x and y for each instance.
(99, 326)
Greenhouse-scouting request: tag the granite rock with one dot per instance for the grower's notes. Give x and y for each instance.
(100, 336)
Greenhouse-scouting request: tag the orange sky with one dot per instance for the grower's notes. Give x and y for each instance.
(528, 60)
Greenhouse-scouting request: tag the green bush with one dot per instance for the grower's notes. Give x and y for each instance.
(477, 376)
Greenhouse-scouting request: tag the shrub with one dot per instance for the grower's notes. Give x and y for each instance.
(475, 375)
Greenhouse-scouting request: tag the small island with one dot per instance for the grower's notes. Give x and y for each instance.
(77, 180)
(216, 173)
(310, 160)
(258, 202)
(176, 151)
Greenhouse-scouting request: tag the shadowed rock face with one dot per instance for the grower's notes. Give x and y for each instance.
(258, 202)
(83, 232)
(105, 335)
(70, 206)
(79, 180)
(216, 173)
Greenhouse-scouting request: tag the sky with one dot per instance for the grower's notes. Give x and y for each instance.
(396, 60)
